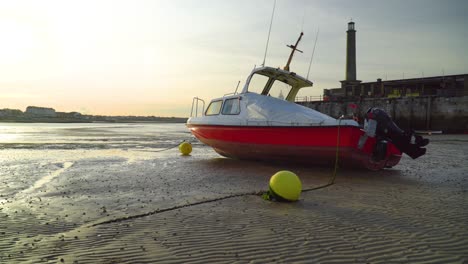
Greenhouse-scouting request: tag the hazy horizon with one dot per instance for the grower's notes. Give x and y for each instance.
(152, 57)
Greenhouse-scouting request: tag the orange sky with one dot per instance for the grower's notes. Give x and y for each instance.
(152, 57)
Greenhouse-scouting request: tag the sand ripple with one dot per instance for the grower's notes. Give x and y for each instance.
(250, 230)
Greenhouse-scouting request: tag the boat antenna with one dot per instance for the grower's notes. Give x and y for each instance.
(237, 87)
(269, 31)
(303, 20)
(313, 51)
(294, 48)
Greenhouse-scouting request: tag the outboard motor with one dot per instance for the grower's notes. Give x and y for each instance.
(379, 123)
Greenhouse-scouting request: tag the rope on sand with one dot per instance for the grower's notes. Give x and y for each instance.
(335, 170)
(254, 193)
(126, 218)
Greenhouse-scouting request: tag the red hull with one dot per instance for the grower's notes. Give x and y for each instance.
(309, 145)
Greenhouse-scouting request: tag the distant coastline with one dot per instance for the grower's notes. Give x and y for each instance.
(34, 114)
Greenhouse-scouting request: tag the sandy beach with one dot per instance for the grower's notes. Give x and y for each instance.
(107, 194)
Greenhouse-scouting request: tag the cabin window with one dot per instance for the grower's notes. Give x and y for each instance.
(258, 83)
(214, 108)
(280, 90)
(231, 107)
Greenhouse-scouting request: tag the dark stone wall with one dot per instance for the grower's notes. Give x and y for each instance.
(448, 114)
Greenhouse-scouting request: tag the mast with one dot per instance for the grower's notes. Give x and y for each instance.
(313, 51)
(269, 31)
(294, 48)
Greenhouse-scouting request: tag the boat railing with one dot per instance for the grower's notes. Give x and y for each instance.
(303, 99)
(195, 104)
(282, 123)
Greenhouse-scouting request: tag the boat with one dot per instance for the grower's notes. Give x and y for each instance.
(263, 122)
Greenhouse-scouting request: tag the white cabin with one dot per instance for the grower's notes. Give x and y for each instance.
(267, 99)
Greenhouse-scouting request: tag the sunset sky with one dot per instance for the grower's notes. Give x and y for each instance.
(151, 57)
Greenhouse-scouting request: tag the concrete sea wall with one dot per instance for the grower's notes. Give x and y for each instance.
(447, 114)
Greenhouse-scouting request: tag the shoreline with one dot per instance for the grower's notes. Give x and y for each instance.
(87, 121)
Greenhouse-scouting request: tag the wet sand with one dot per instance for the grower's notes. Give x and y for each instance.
(109, 206)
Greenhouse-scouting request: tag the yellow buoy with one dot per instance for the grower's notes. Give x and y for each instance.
(185, 148)
(285, 185)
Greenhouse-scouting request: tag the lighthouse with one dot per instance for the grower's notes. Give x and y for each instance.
(350, 84)
(351, 53)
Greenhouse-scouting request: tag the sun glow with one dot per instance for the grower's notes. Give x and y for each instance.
(151, 57)
(18, 42)
(6, 138)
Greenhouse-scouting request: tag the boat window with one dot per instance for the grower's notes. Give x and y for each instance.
(231, 107)
(258, 83)
(280, 90)
(214, 108)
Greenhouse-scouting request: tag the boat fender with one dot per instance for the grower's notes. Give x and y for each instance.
(285, 186)
(370, 126)
(185, 148)
(362, 141)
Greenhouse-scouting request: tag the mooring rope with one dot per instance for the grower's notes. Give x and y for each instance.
(174, 146)
(161, 150)
(335, 169)
(253, 193)
(121, 219)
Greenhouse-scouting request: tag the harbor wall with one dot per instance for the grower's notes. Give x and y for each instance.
(447, 114)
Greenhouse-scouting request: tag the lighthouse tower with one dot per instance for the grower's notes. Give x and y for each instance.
(350, 85)
(351, 53)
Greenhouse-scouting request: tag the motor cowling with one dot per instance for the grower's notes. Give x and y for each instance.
(379, 124)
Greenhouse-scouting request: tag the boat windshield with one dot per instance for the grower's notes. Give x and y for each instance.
(258, 83)
(275, 82)
(279, 89)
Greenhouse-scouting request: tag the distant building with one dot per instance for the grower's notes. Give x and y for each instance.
(41, 111)
(10, 112)
(68, 115)
(447, 86)
(351, 88)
